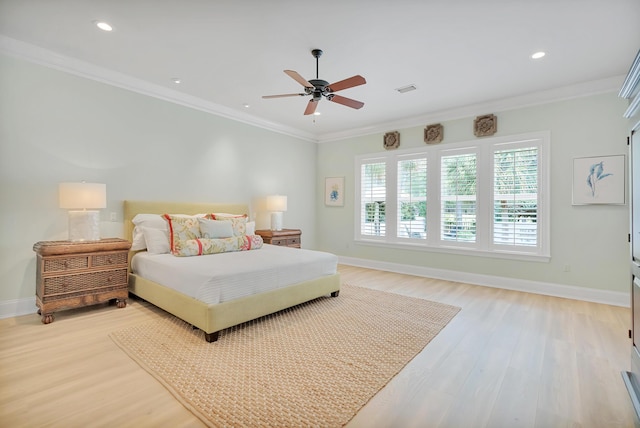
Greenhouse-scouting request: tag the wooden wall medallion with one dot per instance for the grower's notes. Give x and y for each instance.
(391, 140)
(433, 134)
(485, 126)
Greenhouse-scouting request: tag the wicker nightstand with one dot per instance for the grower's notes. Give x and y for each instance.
(284, 237)
(75, 274)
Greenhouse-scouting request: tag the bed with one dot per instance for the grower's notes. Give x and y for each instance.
(213, 312)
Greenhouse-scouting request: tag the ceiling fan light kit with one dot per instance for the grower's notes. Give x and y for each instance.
(318, 88)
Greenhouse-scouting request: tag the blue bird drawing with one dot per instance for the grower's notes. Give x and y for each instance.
(334, 193)
(596, 173)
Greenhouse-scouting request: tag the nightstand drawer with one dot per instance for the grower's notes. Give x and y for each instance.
(63, 264)
(86, 281)
(283, 238)
(293, 242)
(113, 259)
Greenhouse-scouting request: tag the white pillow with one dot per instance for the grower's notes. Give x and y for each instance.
(157, 240)
(151, 221)
(214, 229)
(251, 228)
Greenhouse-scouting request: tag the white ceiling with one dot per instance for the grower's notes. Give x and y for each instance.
(463, 55)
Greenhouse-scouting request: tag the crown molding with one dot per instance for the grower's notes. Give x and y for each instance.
(47, 58)
(578, 90)
(630, 86)
(632, 80)
(50, 59)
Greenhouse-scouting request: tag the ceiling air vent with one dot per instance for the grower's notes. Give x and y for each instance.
(407, 88)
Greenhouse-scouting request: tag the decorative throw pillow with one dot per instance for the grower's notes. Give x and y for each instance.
(214, 229)
(151, 221)
(220, 216)
(204, 246)
(251, 228)
(238, 223)
(182, 229)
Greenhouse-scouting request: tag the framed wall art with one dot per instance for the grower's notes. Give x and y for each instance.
(334, 191)
(599, 180)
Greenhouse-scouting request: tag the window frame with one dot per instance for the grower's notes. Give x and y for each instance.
(484, 244)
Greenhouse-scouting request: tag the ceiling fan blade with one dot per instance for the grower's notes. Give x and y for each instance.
(356, 80)
(301, 80)
(283, 95)
(346, 101)
(311, 107)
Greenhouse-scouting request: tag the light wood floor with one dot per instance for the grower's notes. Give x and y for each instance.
(508, 359)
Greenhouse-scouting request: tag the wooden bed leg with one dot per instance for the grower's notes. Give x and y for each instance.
(335, 293)
(211, 337)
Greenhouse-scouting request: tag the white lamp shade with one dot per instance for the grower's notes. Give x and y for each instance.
(83, 195)
(276, 203)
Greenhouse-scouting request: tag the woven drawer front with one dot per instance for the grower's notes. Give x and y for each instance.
(66, 263)
(112, 259)
(279, 241)
(86, 281)
(293, 241)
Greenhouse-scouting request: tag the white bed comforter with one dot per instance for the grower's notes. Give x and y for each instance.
(222, 277)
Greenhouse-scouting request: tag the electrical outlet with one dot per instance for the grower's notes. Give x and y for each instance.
(567, 268)
(113, 216)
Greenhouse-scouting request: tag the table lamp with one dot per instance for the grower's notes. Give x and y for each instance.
(83, 200)
(277, 204)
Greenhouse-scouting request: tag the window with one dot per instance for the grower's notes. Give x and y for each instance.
(515, 197)
(486, 197)
(412, 198)
(458, 197)
(373, 199)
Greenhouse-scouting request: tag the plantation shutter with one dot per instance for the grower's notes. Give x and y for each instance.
(412, 198)
(373, 199)
(458, 198)
(515, 200)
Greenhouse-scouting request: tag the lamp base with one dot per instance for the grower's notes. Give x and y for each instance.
(84, 226)
(276, 220)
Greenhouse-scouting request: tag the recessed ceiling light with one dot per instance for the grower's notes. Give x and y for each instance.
(103, 25)
(176, 80)
(246, 105)
(538, 55)
(316, 113)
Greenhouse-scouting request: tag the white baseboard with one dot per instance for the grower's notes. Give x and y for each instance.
(17, 307)
(14, 308)
(614, 298)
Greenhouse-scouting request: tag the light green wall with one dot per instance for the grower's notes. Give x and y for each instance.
(591, 240)
(57, 127)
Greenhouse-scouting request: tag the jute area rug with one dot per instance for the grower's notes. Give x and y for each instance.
(313, 365)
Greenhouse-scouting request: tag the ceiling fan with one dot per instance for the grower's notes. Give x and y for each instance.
(319, 88)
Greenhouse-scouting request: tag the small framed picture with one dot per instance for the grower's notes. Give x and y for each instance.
(334, 191)
(599, 180)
